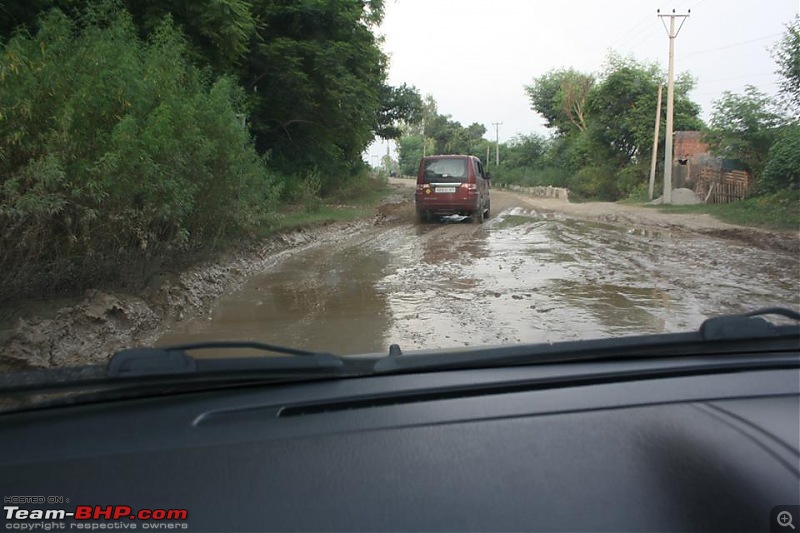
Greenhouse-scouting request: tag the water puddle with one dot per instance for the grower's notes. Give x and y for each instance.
(522, 276)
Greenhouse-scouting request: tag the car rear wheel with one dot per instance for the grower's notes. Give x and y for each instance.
(479, 215)
(423, 216)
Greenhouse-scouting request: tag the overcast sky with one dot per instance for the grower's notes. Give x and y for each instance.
(475, 56)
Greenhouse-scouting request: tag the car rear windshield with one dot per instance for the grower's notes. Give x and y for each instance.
(445, 171)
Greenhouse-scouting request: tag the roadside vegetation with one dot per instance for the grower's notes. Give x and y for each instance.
(133, 134)
(777, 211)
(601, 135)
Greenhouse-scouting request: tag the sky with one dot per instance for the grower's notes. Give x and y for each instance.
(476, 56)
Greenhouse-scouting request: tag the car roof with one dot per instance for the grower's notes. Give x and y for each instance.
(450, 156)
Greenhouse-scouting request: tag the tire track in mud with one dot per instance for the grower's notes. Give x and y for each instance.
(524, 276)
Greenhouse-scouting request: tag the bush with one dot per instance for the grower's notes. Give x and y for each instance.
(595, 182)
(631, 178)
(115, 151)
(782, 170)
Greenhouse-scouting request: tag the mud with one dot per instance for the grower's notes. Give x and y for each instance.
(539, 270)
(89, 329)
(526, 275)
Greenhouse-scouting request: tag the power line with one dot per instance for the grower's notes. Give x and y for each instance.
(640, 28)
(733, 45)
(737, 77)
(713, 92)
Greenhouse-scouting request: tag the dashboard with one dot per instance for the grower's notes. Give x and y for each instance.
(543, 448)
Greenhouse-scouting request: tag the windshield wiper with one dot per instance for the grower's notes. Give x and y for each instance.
(172, 364)
(746, 333)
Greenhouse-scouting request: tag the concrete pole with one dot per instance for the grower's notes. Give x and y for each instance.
(497, 142)
(424, 140)
(670, 110)
(655, 146)
(667, 199)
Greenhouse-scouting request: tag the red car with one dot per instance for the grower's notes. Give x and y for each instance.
(452, 185)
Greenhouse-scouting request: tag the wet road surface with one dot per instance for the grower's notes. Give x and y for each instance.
(523, 276)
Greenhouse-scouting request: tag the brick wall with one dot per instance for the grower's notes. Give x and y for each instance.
(688, 144)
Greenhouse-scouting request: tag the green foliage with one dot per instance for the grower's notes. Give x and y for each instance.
(623, 105)
(603, 126)
(409, 154)
(775, 211)
(787, 55)
(743, 127)
(315, 74)
(219, 31)
(398, 105)
(523, 161)
(594, 182)
(782, 170)
(313, 70)
(114, 150)
(560, 97)
(525, 151)
(432, 133)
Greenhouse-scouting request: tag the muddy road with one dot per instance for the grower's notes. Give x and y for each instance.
(526, 275)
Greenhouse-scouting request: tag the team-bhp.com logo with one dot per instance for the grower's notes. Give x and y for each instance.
(94, 517)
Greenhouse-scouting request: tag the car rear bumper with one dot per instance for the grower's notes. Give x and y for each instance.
(445, 206)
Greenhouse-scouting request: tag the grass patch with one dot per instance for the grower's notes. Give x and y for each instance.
(299, 216)
(780, 211)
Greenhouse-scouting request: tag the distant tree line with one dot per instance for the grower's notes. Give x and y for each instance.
(601, 129)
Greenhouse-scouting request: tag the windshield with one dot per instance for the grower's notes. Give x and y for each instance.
(445, 170)
(188, 172)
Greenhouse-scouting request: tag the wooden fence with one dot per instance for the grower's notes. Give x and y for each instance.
(718, 187)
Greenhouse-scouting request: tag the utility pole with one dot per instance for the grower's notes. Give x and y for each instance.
(424, 152)
(655, 145)
(667, 199)
(497, 142)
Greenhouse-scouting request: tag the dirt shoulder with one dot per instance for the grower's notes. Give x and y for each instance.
(634, 217)
(88, 328)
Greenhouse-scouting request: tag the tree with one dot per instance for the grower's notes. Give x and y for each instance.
(525, 151)
(409, 154)
(560, 97)
(603, 125)
(315, 75)
(743, 128)
(782, 170)
(115, 152)
(313, 70)
(218, 31)
(434, 133)
(622, 107)
(399, 105)
(787, 55)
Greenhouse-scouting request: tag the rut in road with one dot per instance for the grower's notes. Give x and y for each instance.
(522, 276)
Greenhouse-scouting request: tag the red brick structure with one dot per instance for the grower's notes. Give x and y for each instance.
(687, 144)
(694, 167)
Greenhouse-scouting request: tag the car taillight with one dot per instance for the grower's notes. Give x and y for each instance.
(469, 186)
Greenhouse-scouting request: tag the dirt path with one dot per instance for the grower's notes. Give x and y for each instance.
(538, 270)
(639, 218)
(528, 274)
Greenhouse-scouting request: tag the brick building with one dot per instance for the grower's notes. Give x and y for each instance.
(714, 179)
(687, 144)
